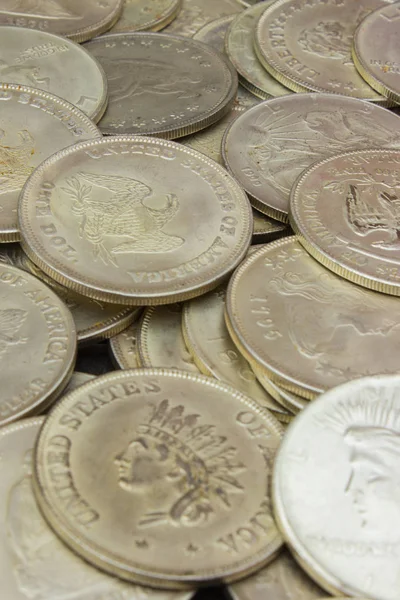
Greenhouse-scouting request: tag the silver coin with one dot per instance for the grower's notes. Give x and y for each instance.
(214, 32)
(197, 13)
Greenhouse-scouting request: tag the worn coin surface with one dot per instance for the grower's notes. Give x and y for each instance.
(376, 50)
(281, 580)
(335, 488)
(269, 146)
(240, 49)
(197, 13)
(53, 64)
(134, 220)
(160, 341)
(167, 86)
(267, 230)
(33, 125)
(346, 211)
(34, 563)
(75, 19)
(306, 45)
(123, 348)
(94, 320)
(214, 32)
(172, 454)
(309, 329)
(214, 352)
(153, 15)
(38, 344)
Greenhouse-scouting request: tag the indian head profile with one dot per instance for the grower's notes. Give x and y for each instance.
(370, 426)
(192, 471)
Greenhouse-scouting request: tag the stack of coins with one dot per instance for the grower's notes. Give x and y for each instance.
(199, 299)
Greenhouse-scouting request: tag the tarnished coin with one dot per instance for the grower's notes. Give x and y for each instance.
(160, 341)
(306, 45)
(123, 348)
(346, 211)
(33, 125)
(134, 220)
(53, 64)
(269, 146)
(292, 402)
(38, 344)
(161, 85)
(75, 19)
(240, 49)
(335, 488)
(213, 351)
(214, 32)
(309, 329)
(34, 562)
(142, 15)
(267, 230)
(179, 455)
(376, 50)
(94, 320)
(197, 13)
(281, 580)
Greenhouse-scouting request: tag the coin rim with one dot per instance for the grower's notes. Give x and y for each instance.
(159, 22)
(107, 328)
(96, 555)
(117, 355)
(95, 29)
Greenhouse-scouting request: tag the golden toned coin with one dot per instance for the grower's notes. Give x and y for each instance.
(134, 220)
(239, 44)
(75, 19)
(307, 328)
(144, 15)
(34, 563)
(195, 14)
(346, 211)
(267, 230)
(160, 341)
(179, 454)
(214, 32)
(270, 145)
(214, 352)
(292, 402)
(376, 50)
(94, 320)
(335, 488)
(53, 64)
(306, 45)
(283, 579)
(33, 125)
(38, 344)
(162, 86)
(123, 348)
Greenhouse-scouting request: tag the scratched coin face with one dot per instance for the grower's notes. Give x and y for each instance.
(335, 488)
(306, 45)
(179, 454)
(376, 51)
(33, 125)
(33, 560)
(162, 85)
(75, 19)
(309, 329)
(346, 210)
(239, 44)
(269, 146)
(160, 342)
(94, 320)
(134, 220)
(141, 15)
(38, 344)
(53, 64)
(195, 14)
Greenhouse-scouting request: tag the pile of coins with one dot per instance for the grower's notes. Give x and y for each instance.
(199, 299)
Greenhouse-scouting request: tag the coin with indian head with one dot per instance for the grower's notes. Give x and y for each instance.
(77, 20)
(33, 125)
(346, 211)
(195, 14)
(336, 488)
(307, 328)
(141, 15)
(35, 564)
(38, 344)
(270, 145)
(166, 86)
(306, 45)
(134, 220)
(161, 458)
